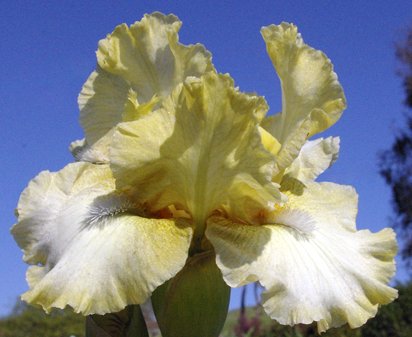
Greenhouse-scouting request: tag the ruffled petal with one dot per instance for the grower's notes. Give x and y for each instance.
(311, 260)
(291, 147)
(312, 97)
(314, 158)
(201, 152)
(145, 59)
(148, 55)
(310, 88)
(90, 247)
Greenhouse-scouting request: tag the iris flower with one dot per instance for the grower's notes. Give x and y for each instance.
(177, 161)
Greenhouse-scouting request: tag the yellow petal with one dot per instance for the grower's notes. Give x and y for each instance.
(269, 142)
(98, 151)
(133, 110)
(310, 87)
(202, 151)
(311, 260)
(149, 57)
(144, 59)
(89, 247)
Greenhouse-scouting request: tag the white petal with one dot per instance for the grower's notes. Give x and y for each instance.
(291, 147)
(96, 154)
(89, 247)
(313, 263)
(314, 158)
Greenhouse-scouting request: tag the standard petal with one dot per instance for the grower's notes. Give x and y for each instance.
(102, 102)
(148, 55)
(310, 88)
(311, 260)
(90, 247)
(145, 58)
(201, 152)
(98, 151)
(314, 158)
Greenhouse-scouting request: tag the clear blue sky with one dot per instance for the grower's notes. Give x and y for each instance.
(47, 52)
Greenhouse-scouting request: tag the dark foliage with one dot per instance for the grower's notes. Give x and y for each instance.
(396, 163)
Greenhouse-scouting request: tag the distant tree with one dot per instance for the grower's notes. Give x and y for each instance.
(28, 321)
(396, 163)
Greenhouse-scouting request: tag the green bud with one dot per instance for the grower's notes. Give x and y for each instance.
(195, 302)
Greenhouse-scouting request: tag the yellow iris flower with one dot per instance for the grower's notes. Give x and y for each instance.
(177, 161)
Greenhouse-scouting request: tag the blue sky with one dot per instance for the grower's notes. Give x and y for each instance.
(48, 51)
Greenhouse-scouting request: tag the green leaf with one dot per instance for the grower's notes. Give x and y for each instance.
(137, 326)
(195, 302)
(126, 323)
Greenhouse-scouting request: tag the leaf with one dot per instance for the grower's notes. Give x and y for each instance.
(126, 323)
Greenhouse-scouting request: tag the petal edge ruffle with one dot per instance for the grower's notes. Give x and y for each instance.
(85, 242)
(312, 262)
